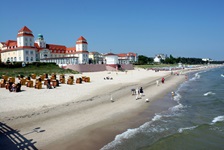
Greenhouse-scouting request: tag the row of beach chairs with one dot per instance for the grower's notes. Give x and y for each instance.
(37, 81)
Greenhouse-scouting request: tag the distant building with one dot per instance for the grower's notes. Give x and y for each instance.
(95, 58)
(110, 59)
(127, 58)
(207, 59)
(159, 57)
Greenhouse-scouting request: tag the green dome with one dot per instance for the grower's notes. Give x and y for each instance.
(40, 36)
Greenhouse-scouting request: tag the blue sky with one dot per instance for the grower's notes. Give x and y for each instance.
(183, 28)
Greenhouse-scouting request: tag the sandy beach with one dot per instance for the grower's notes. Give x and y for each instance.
(82, 116)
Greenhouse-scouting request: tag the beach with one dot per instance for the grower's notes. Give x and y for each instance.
(88, 115)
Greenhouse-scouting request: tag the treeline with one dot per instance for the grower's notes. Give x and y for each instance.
(142, 60)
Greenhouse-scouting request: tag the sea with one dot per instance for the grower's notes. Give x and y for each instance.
(195, 121)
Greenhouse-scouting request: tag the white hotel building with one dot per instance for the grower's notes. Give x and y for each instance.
(26, 49)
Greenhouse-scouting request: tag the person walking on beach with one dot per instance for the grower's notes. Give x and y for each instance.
(137, 93)
(173, 94)
(141, 92)
(163, 80)
(157, 82)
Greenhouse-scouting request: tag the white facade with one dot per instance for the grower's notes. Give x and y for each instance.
(159, 57)
(111, 59)
(29, 55)
(157, 60)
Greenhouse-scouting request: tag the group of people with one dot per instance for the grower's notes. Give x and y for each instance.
(138, 92)
(162, 81)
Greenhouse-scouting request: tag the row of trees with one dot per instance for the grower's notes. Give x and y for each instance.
(142, 60)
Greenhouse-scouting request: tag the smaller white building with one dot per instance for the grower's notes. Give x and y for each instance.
(111, 59)
(159, 57)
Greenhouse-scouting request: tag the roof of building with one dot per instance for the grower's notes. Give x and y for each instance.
(55, 47)
(126, 54)
(11, 43)
(25, 29)
(70, 50)
(122, 55)
(131, 54)
(110, 54)
(81, 40)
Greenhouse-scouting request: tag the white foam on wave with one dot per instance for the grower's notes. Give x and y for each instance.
(177, 97)
(218, 119)
(186, 128)
(209, 93)
(222, 75)
(120, 137)
(156, 117)
(130, 133)
(196, 76)
(176, 108)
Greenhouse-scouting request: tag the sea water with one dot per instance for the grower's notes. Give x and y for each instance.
(196, 121)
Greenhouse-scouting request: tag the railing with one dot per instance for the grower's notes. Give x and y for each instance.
(12, 140)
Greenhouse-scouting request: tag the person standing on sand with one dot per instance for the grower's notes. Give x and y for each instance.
(137, 93)
(157, 82)
(141, 92)
(163, 80)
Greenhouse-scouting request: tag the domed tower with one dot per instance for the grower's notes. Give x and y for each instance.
(40, 41)
(25, 37)
(82, 50)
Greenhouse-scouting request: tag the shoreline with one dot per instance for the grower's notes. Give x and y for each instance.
(63, 122)
(104, 132)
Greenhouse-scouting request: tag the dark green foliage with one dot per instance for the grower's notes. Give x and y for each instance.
(38, 68)
(144, 60)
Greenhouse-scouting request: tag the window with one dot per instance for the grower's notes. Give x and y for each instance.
(31, 52)
(27, 58)
(14, 58)
(25, 44)
(30, 40)
(19, 58)
(27, 52)
(31, 59)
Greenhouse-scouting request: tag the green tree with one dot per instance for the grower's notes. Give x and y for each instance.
(143, 60)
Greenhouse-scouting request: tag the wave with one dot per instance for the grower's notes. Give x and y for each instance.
(156, 117)
(186, 128)
(218, 119)
(177, 97)
(196, 76)
(176, 108)
(209, 93)
(222, 75)
(148, 127)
